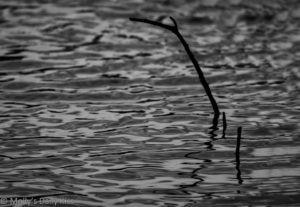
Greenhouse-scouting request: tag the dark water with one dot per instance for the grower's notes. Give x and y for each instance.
(107, 112)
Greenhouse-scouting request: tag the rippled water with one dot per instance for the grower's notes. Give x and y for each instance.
(108, 112)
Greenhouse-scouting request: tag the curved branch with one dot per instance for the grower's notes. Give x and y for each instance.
(202, 79)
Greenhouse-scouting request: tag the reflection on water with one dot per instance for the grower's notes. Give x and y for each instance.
(105, 112)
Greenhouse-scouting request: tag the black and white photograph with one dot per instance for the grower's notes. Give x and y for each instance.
(158, 103)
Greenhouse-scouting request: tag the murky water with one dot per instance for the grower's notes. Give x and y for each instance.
(108, 112)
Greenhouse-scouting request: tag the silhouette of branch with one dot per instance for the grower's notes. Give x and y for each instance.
(202, 79)
(237, 155)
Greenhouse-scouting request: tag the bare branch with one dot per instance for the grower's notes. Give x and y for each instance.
(202, 79)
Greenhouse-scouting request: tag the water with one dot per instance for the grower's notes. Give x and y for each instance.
(103, 111)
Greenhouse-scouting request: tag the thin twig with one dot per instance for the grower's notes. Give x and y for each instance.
(237, 155)
(224, 125)
(202, 79)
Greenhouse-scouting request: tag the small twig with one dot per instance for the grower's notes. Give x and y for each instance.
(174, 22)
(224, 125)
(237, 155)
(202, 79)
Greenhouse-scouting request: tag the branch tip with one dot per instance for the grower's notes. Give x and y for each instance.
(174, 22)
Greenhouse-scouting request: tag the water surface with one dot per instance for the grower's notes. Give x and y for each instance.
(107, 112)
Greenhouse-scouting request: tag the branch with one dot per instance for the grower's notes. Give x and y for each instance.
(202, 79)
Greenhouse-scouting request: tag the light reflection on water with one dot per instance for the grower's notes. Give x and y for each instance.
(105, 112)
